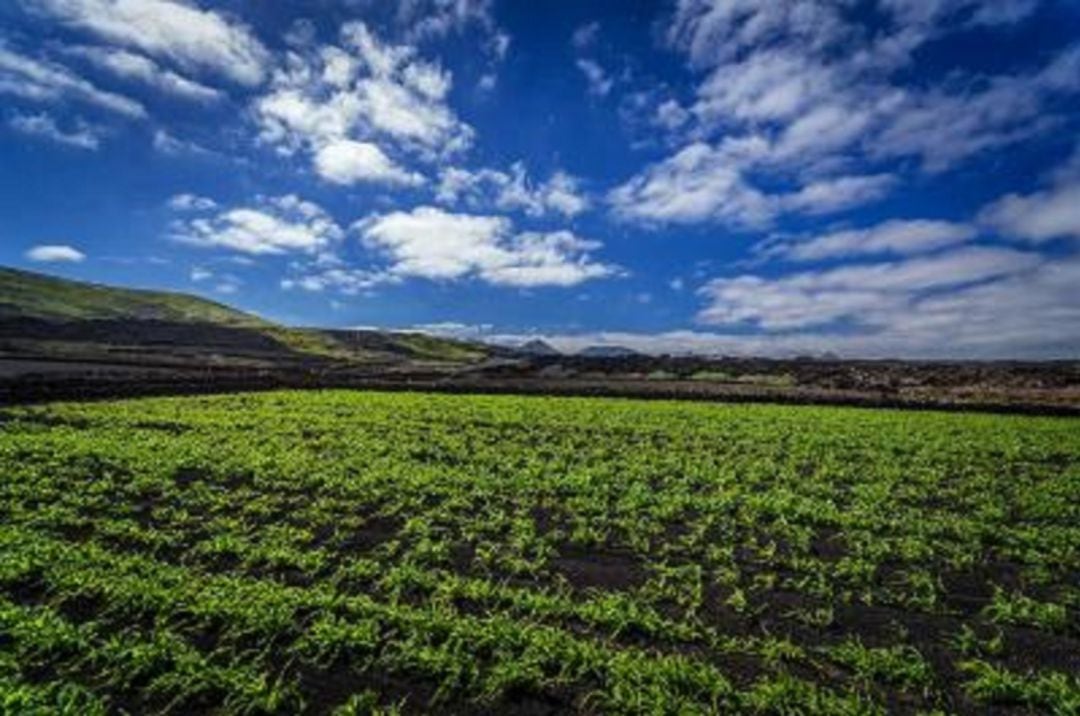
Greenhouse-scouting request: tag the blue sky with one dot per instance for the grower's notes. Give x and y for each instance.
(868, 177)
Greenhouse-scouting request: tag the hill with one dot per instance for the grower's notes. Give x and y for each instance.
(537, 347)
(50, 317)
(24, 294)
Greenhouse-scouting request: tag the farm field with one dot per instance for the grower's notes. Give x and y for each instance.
(341, 552)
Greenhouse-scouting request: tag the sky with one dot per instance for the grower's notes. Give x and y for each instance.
(860, 177)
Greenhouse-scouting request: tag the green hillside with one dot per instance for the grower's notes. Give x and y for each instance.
(25, 294)
(33, 295)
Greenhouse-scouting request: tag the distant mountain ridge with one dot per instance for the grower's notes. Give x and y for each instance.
(607, 352)
(537, 347)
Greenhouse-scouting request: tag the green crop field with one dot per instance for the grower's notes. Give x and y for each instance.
(337, 552)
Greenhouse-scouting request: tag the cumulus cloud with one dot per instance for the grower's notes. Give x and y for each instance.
(924, 13)
(826, 196)
(1030, 314)
(178, 31)
(1041, 216)
(191, 202)
(821, 98)
(895, 237)
(428, 242)
(55, 253)
(168, 144)
(44, 81)
(709, 183)
(512, 191)
(585, 35)
(363, 91)
(945, 126)
(696, 184)
(199, 274)
(599, 81)
(671, 115)
(274, 225)
(557, 258)
(867, 295)
(424, 19)
(224, 283)
(455, 329)
(347, 281)
(420, 21)
(135, 67)
(1004, 12)
(346, 162)
(81, 135)
(773, 84)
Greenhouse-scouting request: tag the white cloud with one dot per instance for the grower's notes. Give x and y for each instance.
(698, 183)
(562, 193)
(363, 91)
(1041, 216)
(557, 258)
(947, 124)
(43, 81)
(1004, 12)
(181, 32)
(512, 191)
(228, 287)
(822, 130)
(712, 31)
(348, 281)
(455, 329)
(772, 84)
(274, 225)
(600, 83)
(897, 237)
(826, 196)
(866, 295)
(223, 283)
(165, 143)
(820, 99)
(976, 12)
(585, 35)
(434, 244)
(943, 128)
(431, 243)
(709, 183)
(55, 253)
(132, 66)
(191, 202)
(81, 136)
(199, 274)
(424, 19)
(1030, 315)
(670, 115)
(347, 162)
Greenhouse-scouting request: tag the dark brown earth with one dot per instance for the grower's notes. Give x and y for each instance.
(1031, 388)
(47, 360)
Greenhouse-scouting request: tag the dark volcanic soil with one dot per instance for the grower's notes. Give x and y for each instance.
(942, 387)
(40, 360)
